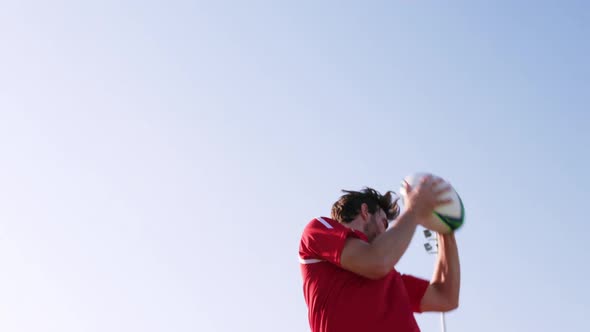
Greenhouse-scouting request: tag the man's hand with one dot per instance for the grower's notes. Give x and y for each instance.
(422, 200)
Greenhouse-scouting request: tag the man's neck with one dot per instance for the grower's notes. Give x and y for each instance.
(356, 224)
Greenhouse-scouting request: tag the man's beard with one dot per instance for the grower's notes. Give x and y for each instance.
(371, 229)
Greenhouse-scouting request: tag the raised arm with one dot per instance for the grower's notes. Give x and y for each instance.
(375, 260)
(443, 292)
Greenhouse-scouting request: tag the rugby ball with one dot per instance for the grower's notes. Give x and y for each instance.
(445, 218)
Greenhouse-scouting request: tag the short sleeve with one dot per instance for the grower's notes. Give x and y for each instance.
(324, 239)
(415, 287)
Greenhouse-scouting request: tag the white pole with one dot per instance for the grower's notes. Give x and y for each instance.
(443, 325)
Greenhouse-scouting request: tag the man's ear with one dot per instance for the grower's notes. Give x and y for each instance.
(365, 211)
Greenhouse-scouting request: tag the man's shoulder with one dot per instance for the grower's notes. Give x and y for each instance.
(320, 233)
(322, 223)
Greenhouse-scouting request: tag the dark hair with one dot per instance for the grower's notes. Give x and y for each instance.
(349, 205)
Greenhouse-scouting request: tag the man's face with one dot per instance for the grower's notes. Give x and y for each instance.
(377, 224)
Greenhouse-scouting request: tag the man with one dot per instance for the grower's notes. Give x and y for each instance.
(348, 263)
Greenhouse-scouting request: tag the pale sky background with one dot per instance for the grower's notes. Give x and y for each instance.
(159, 159)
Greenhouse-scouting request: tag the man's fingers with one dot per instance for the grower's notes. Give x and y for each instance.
(444, 201)
(436, 181)
(407, 186)
(442, 190)
(424, 180)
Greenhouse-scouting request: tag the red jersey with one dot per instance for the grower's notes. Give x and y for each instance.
(339, 300)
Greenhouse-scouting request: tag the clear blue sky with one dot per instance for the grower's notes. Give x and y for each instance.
(160, 159)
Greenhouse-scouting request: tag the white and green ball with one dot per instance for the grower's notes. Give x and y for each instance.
(445, 218)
